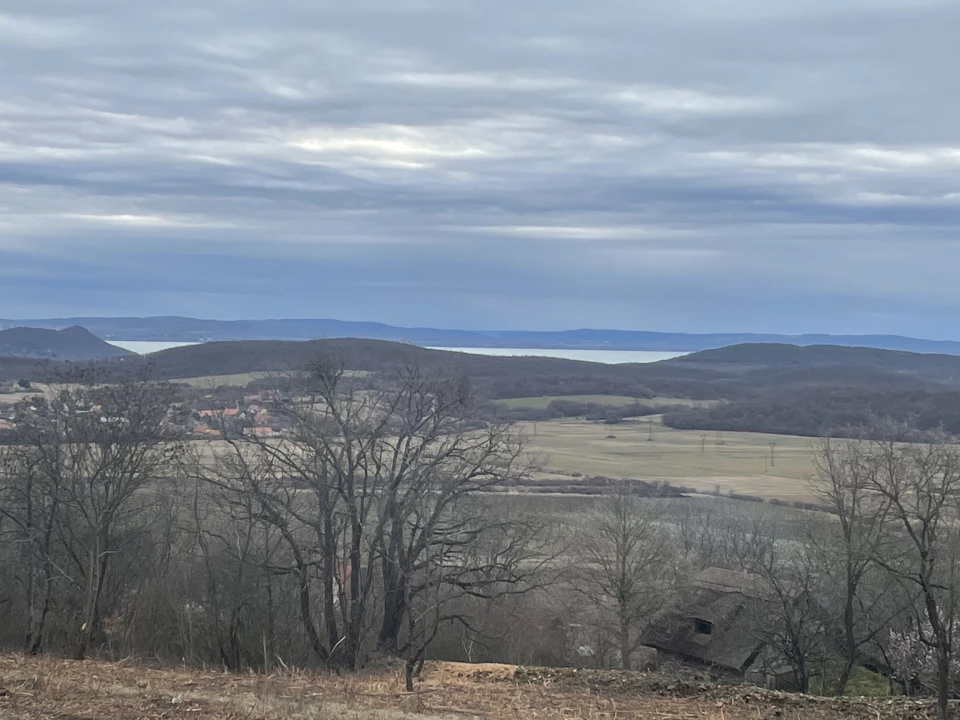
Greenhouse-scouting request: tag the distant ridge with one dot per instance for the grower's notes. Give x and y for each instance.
(182, 329)
(72, 343)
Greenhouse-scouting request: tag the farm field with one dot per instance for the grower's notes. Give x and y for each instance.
(540, 403)
(211, 381)
(741, 464)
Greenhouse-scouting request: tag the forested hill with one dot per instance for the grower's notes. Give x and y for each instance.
(72, 343)
(824, 389)
(753, 357)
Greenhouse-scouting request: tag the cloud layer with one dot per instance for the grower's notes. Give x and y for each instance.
(701, 165)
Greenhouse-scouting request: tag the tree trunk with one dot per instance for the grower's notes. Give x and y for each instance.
(37, 644)
(803, 677)
(943, 679)
(329, 545)
(845, 674)
(394, 598)
(850, 640)
(408, 673)
(355, 628)
(306, 617)
(90, 600)
(625, 663)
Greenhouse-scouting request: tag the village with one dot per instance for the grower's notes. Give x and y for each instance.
(199, 414)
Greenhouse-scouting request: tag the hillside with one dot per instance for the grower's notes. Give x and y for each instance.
(49, 689)
(730, 373)
(781, 356)
(728, 370)
(72, 343)
(199, 330)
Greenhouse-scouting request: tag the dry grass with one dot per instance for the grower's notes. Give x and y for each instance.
(741, 464)
(239, 379)
(214, 381)
(540, 403)
(50, 689)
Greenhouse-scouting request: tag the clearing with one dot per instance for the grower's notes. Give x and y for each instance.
(730, 461)
(51, 689)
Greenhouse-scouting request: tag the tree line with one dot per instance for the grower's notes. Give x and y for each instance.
(817, 411)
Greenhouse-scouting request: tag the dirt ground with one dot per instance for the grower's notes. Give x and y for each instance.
(52, 689)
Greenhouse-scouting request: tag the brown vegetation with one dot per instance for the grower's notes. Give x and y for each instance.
(51, 689)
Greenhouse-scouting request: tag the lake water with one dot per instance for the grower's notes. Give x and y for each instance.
(609, 357)
(145, 347)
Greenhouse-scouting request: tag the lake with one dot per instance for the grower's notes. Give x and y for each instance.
(145, 347)
(608, 357)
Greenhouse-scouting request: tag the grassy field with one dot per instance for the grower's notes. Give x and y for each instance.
(683, 457)
(239, 379)
(212, 381)
(540, 403)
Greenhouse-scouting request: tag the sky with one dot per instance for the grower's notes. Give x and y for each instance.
(672, 165)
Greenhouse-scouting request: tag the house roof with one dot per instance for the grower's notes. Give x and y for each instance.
(263, 431)
(730, 602)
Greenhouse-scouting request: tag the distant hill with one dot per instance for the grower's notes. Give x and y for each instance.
(72, 343)
(823, 389)
(748, 358)
(181, 329)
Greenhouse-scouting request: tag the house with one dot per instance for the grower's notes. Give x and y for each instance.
(7, 425)
(206, 431)
(227, 412)
(259, 431)
(716, 626)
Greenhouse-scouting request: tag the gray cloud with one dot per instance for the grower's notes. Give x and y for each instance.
(704, 165)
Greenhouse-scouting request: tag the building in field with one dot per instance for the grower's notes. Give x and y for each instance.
(716, 626)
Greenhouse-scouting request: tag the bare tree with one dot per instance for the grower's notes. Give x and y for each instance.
(99, 447)
(844, 482)
(792, 621)
(31, 505)
(623, 561)
(921, 484)
(374, 490)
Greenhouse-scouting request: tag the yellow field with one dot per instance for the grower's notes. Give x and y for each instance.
(541, 403)
(741, 464)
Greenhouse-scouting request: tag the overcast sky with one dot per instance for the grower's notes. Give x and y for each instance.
(685, 165)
